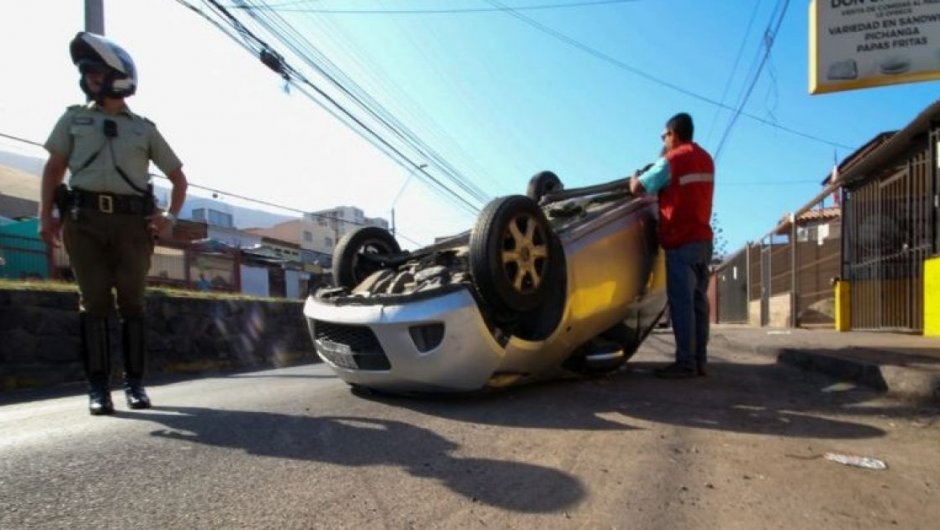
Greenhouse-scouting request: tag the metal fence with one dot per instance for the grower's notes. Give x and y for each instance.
(818, 250)
(790, 270)
(23, 258)
(731, 287)
(891, 220)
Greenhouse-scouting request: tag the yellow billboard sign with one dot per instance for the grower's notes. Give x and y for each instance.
(868, 43)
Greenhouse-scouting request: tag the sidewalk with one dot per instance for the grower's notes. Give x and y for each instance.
(906, 366)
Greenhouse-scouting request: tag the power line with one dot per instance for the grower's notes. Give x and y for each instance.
(770, 36)
(254, 200)
(285, 8)
(309, 54)
(275, 61)
(624, 66)
(24, 140)
(734, 68)
(767, 183)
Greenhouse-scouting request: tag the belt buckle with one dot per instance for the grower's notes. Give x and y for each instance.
(106, 203)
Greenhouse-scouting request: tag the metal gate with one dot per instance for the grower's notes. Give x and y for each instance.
(891, 220)
(732, 289)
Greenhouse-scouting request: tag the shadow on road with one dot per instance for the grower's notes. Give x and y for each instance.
(281, 376)
(746, 398)
(361, 442)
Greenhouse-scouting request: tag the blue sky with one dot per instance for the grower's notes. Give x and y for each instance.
(499, 99)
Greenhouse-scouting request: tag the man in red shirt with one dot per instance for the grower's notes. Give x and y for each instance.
(684, 179)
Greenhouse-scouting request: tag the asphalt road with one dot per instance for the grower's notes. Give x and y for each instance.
(294, 448)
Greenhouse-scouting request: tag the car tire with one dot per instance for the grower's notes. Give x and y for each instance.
(360, 253)
(543, 183)
(511, 255)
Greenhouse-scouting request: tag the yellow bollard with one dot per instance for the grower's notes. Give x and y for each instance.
(843, 311)
(932, 297)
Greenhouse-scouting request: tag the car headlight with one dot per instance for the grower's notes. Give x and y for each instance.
(427, 336)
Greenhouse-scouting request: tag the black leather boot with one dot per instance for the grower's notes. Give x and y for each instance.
(134, 345)
(96, 357)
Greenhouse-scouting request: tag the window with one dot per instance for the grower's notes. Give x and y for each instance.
(199, 214)
(217, 218)
(308, 236)
(321, 220)
(805, 233)
(328, 242)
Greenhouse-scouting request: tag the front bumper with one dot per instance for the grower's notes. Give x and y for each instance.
(394, 346)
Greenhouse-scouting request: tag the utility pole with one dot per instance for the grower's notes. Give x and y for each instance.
(94, 16)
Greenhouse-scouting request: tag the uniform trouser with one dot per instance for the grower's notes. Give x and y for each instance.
(687, 291)
(110, 255)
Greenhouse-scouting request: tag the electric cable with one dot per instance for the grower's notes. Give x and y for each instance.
(258, 46)
(216, 191)
(286, 7)
(649, 77)
(769, 39)
(734, 68)
(308, 53)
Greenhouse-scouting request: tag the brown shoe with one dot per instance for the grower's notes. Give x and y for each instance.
(676, 371)
(701, 369)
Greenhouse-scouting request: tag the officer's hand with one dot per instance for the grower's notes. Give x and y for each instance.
(50, 228)
(159, 226)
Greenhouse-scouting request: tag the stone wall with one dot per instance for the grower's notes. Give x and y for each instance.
(39, 336)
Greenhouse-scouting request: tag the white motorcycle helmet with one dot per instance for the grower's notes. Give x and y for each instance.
(91, 52)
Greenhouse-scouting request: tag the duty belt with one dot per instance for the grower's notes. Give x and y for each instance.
(112, 203)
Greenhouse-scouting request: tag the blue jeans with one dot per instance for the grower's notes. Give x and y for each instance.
(687, 291)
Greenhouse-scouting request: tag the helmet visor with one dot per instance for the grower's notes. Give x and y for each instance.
(92, 67)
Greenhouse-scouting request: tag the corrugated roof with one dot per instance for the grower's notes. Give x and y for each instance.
(808, 216)
(860, 153)
(820, 214)
(892, 148)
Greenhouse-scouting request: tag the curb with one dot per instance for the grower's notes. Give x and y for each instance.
(909, 384)
(897, 381)
(868, 374)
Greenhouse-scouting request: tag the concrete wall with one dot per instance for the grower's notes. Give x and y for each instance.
(780, 311)
(753, 312)
(39, 336)
(779, 316)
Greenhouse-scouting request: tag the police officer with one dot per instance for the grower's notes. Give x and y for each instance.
(107, 215)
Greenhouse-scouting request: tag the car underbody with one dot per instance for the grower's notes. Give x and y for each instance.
(572, 285)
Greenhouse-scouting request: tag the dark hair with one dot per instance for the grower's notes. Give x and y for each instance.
(681, 126)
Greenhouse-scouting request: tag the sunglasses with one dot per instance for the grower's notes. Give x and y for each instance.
(665, 134)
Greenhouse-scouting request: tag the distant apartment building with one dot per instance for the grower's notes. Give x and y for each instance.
(225, 221)
(344, 219)
(315, 242)
(318, 232)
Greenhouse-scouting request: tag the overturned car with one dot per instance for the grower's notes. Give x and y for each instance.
(550, 283)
